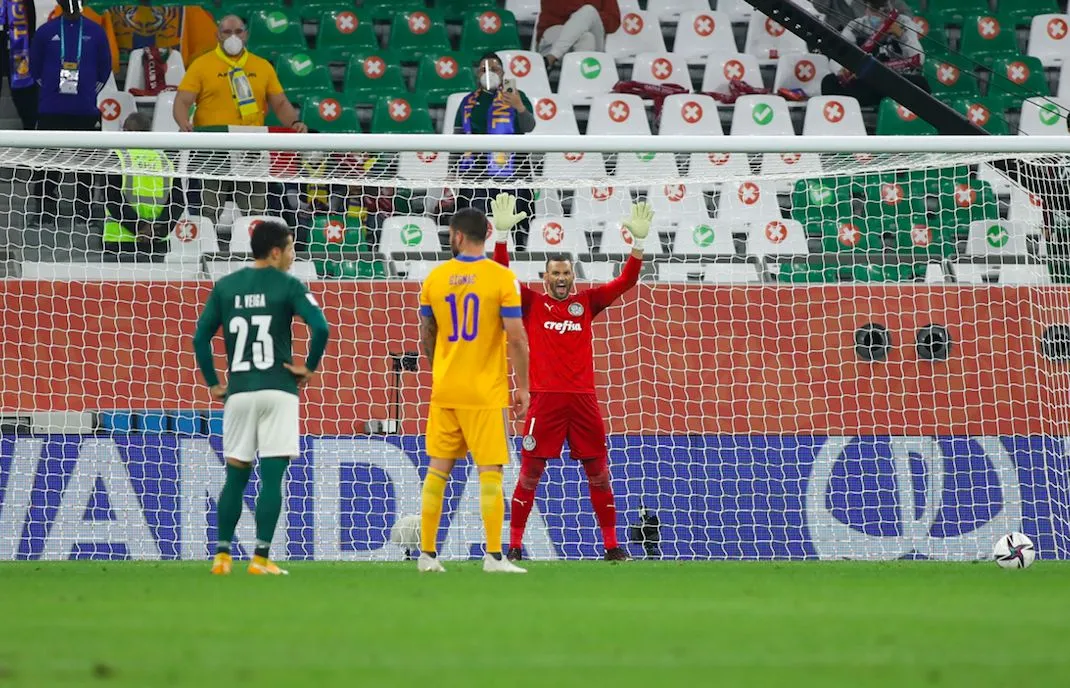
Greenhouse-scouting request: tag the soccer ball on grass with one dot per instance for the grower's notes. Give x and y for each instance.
(406, 534)
(1014, 551)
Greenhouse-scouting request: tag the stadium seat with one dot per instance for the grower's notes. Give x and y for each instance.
(997, 238)
(401, 113)
(135, 71)
(761, 115)
(690, 114)
(488, 29)
(893, 199)
(1026, 209)
(732, 273)
(343, 33)
(242, 231)
(774, 236)
(984, 113)
(933, 37)
(948, 79)
(453, 104)
(1021, 13)
(335, 233)
(681, 272)
(300, 75)
(309, 10)
(585, 75)
(554, 115)
(418, 31)
(553, 234)
(917, 237)
(893, 119)
(639, 32)
(116, 106)
(275, 31)
(974, 273)
(523, 10)
(1043, 117)
(702, 33)
(598, 205)
(1025, 274)
(457, 10)
(706, 237)
(242, 8)
(768, 40)
(190, 238)
(584, 166)
(617, 241)
(723, 68)
(642, 167)
(738, 11)
(618, 114)
(833, 116)
(529, 70)
(801, 71)
(1017, 78)
(661, 68)
(678, 204)
(750, 200)
(953, 11)
(962, 201)
(672, 10)
(548, 203)
(849, 235)
(1048, 38)
(163, 116)
(985, 39)
(326, 113)
(408, 234)
(423, 169)
(369, 75)
(823, 199)
(528, 270)
(442, 74)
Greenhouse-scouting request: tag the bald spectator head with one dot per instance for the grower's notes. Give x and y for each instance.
(138, 121)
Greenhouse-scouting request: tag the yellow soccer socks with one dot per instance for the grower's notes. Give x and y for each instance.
(434, 491)
(492, 509)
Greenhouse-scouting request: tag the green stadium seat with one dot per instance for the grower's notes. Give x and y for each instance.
(455, 10)
(849, 235)
(401, 113)
(300, 75)
(370, 75)
(933, 36)
(327, 113)
(441, 74)
(1021, 12)
(953, 11)
(822, 199)
(312, 10)
(336, 233)
(276, 31)
(894, 119)
(986, 113)
(948, 79)
(343, 33)
(986, 39)
(894, 199)
(489, 29)
(1016, 78)
(917, 236)
(386, 10)
(352, 269)
(242, 8)
(418, 31)
(964, 200)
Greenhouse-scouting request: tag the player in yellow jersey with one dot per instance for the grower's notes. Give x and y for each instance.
(469, 316)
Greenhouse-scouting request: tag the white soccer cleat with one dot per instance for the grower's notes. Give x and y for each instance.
(429, 564)
(503, 565)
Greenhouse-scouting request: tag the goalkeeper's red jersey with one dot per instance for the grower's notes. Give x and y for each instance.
(559, 332)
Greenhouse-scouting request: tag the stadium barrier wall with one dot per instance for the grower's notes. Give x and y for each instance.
(151, 496)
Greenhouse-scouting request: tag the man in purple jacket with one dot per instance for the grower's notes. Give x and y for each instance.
(71, 62)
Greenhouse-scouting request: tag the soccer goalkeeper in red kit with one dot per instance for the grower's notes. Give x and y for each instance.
(563, 401)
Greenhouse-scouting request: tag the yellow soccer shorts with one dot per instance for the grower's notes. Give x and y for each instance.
(452, 433)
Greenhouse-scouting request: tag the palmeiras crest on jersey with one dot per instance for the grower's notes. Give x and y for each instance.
(529, 442)
(575, 309)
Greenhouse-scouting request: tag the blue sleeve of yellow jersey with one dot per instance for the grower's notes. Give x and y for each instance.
(510, 296)
(425, 301)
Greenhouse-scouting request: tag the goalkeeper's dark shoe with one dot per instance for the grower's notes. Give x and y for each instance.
(515, 554)
(618, 554)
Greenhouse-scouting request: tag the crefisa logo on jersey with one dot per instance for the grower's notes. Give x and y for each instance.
(575, 309)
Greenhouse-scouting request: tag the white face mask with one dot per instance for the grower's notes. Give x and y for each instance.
(490, 80)
(233, 45)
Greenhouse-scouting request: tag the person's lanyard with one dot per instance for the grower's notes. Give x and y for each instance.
(63, 42)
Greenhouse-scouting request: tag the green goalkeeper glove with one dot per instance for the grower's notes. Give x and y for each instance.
(504, 216)
(638, 224)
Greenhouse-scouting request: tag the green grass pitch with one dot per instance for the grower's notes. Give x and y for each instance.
(564, 624)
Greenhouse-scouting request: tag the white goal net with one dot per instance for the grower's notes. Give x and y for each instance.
(838, 348)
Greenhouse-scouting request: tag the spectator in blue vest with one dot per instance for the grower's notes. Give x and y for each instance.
(71, 62)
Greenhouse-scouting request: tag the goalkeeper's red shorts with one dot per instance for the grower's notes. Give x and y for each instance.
(557, 416)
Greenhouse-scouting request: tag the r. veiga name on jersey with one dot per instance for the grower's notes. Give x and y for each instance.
(563, 326)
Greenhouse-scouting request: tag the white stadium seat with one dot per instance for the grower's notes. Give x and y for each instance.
(833, 116)
(135, 71)
(681, 272)
(1043, 117)
(523, 10)
(703, 33)
(453, 104)
(424, 169)
(750, 200)
(554, 115)
(528, 270)
(671, 10)
(1049, 38)
(732, 273)
(723, 68)
(661, 68)
(996, 238)
(408, 233)
(242, 230)
(547, 202)
(678, 204)
(802, 71)
(600, 205)
(641, 167)
(738, 11)
(618, 114)
(573, 166)
(556, 234)
(970, 273)
(761, 115)
(690, 114)
(585, 75)
(776, 237)
(415, 270)
(115, 107)
(1036, 273)
(768, 40)
(529, 70)
(163, 117)
(639, 32)
(710, 237)
(1025, 208)
(616, 240)
(191, 237)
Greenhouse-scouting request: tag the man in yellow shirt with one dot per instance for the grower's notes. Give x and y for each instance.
(232, 87)
(470, 315)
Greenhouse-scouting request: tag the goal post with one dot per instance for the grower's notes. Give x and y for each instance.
(840, 347)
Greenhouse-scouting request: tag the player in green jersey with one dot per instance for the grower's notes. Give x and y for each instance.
(255, 306)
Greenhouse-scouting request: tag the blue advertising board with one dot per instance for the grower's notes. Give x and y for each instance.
(152, 496)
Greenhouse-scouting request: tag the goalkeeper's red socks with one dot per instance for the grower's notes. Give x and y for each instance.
(524, 499)
(605, 510)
